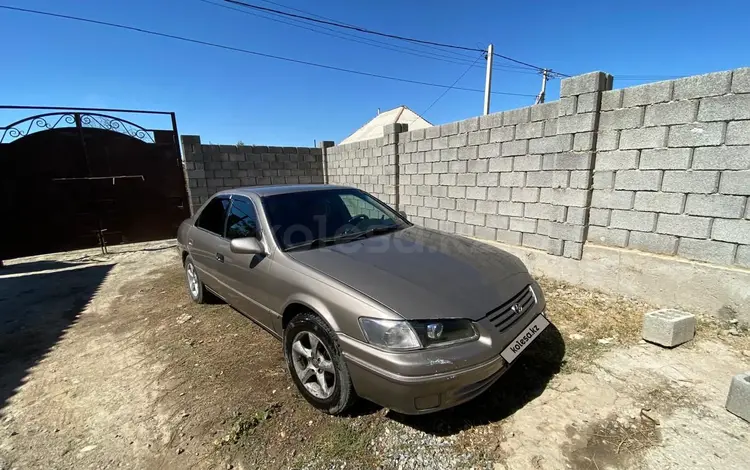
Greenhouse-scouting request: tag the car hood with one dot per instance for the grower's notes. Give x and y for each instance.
(421, 273)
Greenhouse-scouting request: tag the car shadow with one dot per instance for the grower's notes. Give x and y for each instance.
(35, 266)
(36, 309)
(521, 384)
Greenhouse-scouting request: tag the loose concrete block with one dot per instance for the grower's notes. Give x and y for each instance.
(738, 400)
(668, 327)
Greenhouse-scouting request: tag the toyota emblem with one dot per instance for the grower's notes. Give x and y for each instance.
(516, 308)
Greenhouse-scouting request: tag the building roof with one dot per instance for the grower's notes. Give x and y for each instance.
(374, 128)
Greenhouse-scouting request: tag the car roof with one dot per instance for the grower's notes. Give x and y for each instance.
(273, 190)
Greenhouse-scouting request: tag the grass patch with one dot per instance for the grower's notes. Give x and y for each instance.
(342, 440)
(245, 425)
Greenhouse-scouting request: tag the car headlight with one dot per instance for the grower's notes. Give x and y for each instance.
(404, 335)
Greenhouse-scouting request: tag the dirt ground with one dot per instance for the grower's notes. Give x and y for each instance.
(107, 364)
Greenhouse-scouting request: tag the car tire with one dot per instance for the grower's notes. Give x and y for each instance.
(341, 394)
(196, 290)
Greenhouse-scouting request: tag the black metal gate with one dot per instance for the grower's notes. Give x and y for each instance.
(81, 177)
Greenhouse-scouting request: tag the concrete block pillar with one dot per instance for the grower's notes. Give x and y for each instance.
(194, 168)
(390, 163)
(324, 145)
(577, 124)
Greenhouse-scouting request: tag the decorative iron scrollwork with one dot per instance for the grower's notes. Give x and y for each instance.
(43, 122)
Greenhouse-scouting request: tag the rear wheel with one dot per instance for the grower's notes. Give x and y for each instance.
(315, 363)
(194, 283)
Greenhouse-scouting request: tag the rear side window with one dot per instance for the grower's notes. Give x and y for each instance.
(213, 216)
(242, 221)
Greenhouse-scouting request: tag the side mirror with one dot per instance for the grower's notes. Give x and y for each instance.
(246, 246)
(403, 214)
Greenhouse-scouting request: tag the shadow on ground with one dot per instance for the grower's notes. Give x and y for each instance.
(524, 382)
(36, 310)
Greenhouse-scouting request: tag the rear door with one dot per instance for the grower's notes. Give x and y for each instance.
(205, 239)
(245, 275)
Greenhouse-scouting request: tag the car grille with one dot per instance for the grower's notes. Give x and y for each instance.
(505, 315)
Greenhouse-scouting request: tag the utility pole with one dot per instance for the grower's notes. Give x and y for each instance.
(488, 81)
(545, 77)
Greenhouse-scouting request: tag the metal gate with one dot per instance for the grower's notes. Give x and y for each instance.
(82, 177)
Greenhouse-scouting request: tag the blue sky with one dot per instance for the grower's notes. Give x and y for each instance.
(227, 96)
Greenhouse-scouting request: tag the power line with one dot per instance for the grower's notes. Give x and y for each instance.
(237, 49)
(366, 41)
(445, 92)
(355, 28)
(358, 39)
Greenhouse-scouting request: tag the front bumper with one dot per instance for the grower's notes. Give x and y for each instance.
(426, 381)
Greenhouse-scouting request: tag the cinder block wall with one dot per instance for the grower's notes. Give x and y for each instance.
(213, 168)
(672, 169)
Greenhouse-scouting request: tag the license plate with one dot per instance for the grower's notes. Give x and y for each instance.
(525, 338)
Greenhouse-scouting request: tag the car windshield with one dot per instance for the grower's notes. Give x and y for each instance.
(312, 218)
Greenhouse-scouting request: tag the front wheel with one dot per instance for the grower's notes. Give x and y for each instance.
(316, 365)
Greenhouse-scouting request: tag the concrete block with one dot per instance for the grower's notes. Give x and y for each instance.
(665, 159)
(604, 180)
(653, 242)
(498, 194)
(641, 180)
(576, 123)
(447, 155)
(489, 150)
(715, 205)
(468, 125)
(449, 129)
(491, 120)
(735, 182)
(550, 127)
(565, 197)
(741, 80)
(580, 179)
(608, 140)
(543, 211)
(607, 236)
(424, 145)
(468, 153)
(517, 116)
(510, 208)
(514, 147)
(573, 250)
(488, 179)
(575, 216)
(525, 194)
(731, 230)
(479, 137)
(607, 199)
(710, 84)
(743, 256)
(625, 118)
(647, 94)
(580, 84)
(588, 102)
(709, 251)
(555, 144)
(502, 134)
(523, 225)
(722, 158)
(477, 166)
(599, 217)
(738, 400)
(458, 140)
(457, 166)
(738, 133)
(439, 143)
(690, 181)
(696, 135)
(527, 163)
(583, 141)
(507, 236)
(617, 160)
(512, 178)
(668, 327)
(725, 108)
(567, 106)
(533, 240)
(659, 202)
(611, 100)
(684, 225)
(555, 247)
(501, 164)
(476, 192)
(544, 111)
(566, 231)
(539, 179)
(633, 220)
(675, 112)
(568, 161)
(529, 130)
(497, 221)
(649, 137)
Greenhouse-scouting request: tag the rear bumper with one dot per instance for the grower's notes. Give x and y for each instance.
(423, 394)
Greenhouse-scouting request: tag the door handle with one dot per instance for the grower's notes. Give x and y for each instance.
(220, 257)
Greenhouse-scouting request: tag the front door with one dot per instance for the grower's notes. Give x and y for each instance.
(245, 275)
(206, 241)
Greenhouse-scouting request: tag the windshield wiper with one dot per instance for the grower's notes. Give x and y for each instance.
(311, 243)
(344, 238)
(374, 231)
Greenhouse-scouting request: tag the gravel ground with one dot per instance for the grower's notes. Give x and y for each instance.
(107, 364)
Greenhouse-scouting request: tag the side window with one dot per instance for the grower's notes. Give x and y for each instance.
(356, 206)
(242, 221)
(213, 215)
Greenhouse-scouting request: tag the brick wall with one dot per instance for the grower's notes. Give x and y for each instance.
(672, 169)
(212, 168)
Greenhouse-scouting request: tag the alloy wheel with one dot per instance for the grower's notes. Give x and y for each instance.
(313, 365)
